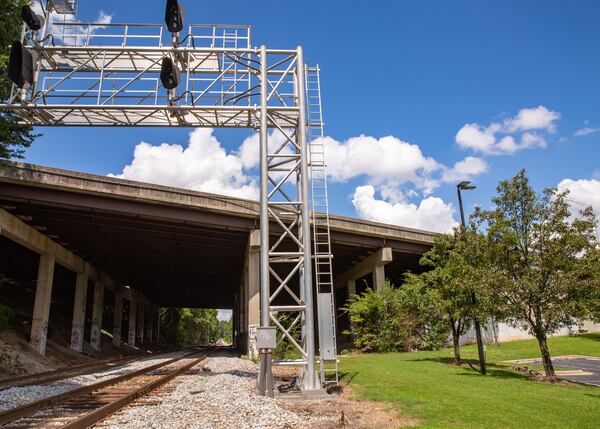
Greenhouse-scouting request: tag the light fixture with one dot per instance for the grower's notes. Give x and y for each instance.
(169, 74)
(33, 21)
(466, 186)
(20, 65)
(174, 16)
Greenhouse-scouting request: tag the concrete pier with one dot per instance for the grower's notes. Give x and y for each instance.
(140, 321)
(117, 318)
(96, 334)
(251, 294)
(79, 303)
(132, 323)
(41, 306)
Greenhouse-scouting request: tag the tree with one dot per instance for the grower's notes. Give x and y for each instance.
(14, 138)
(226, 330)
(594, 301)
(169, 324)
(198, 326)
(442, 295)
(381, 322)
(543, 266)
(189, 326)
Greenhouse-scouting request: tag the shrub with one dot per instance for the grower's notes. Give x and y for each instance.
(7, 316)
(285, 349)
(380, 321)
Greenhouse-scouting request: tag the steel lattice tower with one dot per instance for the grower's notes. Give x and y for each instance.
(91, 74)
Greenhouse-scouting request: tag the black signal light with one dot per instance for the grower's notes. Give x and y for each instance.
(20, 65)
(33, 21)
(169, 74)
(174, 16)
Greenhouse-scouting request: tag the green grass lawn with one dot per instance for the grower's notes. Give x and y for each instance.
(425, 386)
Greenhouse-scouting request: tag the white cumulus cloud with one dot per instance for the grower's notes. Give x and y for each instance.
(249, 150)
(585, 131)
(383, 158)
(394, 170)
(204, 165)
(582, 193)
(465, 169)
(431, 214)
(66, 33)
(502, 138)
(537, 118)
(386, 162)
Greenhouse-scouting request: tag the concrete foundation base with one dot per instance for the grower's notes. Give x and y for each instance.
(316, 394)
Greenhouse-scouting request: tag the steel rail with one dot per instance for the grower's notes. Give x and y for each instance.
(97, 415)
(67, 372)
(29, 409)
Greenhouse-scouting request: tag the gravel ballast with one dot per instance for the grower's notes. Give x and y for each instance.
(222, 397)
(19, 396)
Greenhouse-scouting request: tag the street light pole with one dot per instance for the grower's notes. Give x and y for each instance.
(466, 186)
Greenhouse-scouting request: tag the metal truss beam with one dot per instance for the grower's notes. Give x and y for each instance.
(109, 75)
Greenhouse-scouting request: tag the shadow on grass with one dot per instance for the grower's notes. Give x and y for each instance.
(348, 376)
(493, 370)
(594, 336)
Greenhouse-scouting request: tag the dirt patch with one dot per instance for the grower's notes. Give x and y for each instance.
(344, 411)
(20, 358)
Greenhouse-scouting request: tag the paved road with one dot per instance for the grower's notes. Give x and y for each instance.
(587, 365)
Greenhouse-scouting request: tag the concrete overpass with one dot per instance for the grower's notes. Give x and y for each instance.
(155, 246)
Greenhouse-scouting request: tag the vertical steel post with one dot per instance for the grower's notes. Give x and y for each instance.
(478, 336)
(264, 217)
(310, 380)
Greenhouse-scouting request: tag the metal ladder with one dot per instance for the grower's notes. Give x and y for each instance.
(321, 236)
(229, 82)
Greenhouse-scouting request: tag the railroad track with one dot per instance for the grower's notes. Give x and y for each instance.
(68, 372)
(87, 405)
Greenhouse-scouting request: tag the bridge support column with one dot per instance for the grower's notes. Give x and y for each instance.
(77, 326)
(351, 288)
(378, 276)
(351, 292)
(252, 292)
(140, 321)
(96, 332)
(157, 323)
(132, 323)
(41, 306)
(150, 322)
(374, 264)
(118, 318)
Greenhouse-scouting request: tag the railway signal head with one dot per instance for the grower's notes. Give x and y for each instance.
(20, 65)
(33, 21)
(169, 74)
(174, 16)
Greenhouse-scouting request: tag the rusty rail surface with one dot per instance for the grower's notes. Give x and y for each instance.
(24, 416)
(101, 413)
(70, 371)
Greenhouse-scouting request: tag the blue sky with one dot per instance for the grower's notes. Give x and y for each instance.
(419, 71)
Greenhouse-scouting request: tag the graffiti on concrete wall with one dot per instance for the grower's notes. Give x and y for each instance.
(77, 338)
(252, 349)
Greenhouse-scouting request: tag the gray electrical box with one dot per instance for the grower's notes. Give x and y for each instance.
(266, 337)
(326, 326)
